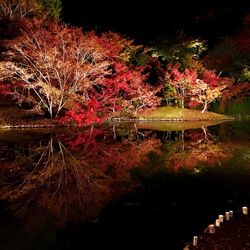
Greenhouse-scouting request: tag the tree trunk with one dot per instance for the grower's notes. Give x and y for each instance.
(182, 103)
(204, 108)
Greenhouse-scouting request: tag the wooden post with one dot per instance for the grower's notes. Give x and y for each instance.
(195, 240)
(231, 213)
(211, 229)
(221, 218)
(245, 210)
(217, 223)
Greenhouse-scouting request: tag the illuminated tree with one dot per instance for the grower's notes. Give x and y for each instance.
(203, 93)
(54, 63)
(55, 67)
(119, 47)
(18, 9)
(208, 89)
(187, 87)
(180, 82)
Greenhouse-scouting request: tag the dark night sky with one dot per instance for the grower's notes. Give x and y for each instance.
(149, 20)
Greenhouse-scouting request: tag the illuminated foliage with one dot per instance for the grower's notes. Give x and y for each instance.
(204, 94)
(118, 46)
(193, 88)
(233, 91)
(181, 50)
(55, 63)
(180, 82)
(62, 69)
(207, 90)
(52, 7)
(18, 9)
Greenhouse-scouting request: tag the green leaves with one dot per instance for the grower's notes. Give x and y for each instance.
(52, 7)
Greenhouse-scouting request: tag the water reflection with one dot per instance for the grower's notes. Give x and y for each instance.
(197, 148)
(56, 177)
(72, 175)
(178, 125)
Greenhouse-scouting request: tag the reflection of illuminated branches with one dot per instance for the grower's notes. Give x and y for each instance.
(137, 132)
(56, 180)
(207, 134)
(77, 170)
(200, 148)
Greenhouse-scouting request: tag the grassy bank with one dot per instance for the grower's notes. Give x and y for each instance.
(14, 117)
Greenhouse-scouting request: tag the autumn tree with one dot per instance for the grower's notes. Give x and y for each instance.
(180, 82)
(126, 88)
(203, 94)
(207, 89)
(55, 67)
(194, 88)
(130, 81)
(18, 9)
(120, 48)
(56, 64)
(133, 92)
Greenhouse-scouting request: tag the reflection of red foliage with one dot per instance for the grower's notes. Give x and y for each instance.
(76, 178)
(100, 149)
(198, 149)
(194, 135)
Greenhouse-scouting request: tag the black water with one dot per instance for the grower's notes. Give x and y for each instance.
(119, 186)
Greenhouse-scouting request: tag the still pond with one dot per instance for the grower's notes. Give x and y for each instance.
(120, 185)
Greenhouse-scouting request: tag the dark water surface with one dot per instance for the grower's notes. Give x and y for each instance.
(120, 185)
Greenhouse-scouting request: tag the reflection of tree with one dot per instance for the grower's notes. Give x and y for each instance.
(201, 148)
(74, 174)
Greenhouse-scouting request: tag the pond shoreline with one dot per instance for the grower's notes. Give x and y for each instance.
(113, 119)
(155, 119)
(12, 117)
(232, 233)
